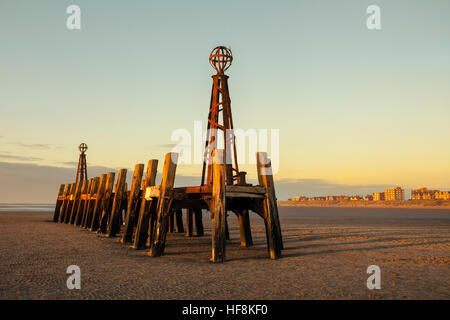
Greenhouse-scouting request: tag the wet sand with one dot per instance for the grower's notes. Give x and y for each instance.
(327, 252)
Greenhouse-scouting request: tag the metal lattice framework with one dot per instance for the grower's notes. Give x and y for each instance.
(82, 167)
(220, 109)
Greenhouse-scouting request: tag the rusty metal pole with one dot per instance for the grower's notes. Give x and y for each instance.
(82, 166)
(219, 118)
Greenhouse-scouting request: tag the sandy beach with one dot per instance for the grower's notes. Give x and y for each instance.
(327, 252)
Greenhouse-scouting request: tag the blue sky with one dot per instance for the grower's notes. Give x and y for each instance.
(354, 107)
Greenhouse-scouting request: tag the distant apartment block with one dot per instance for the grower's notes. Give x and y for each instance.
(396, 193)
(427, 194)
(378, 196)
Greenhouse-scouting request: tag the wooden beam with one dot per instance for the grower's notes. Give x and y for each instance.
(218, 208)
(58, 203)
(132, 205)
(158, 240)
(141, 234)
(273, 230)
(114, 222)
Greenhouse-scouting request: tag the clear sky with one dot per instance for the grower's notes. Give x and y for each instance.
(357, 110)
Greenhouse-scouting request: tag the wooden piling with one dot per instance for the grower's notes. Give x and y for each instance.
(227, 231)
(88, 211)
(218, 208)
(132, 205)
(94, 202)
(79, 219)
(77, 209)
(70, 204)
(244, 228)
(58, 203)
(179, 221)
(171, 224)
(114, 222)
(198, 222)
(65, 205)
(273, 230)
(141, 234)
(189, 224)
(76, 198)
(105, 206)
(164, 205)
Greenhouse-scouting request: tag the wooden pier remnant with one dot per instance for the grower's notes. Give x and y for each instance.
(144, 214)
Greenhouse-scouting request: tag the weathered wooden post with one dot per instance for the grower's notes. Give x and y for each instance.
(198, 222)
(189, 225)
(95, 203)
(132, 204)
(79, 218)
(75, 202)
(58, 203)
(113, 226)
(78, 204)
(171, 226)
(70, 204)
(244, 228)
(227, 232)
(90, 203)
(105, 205)
(179, 221)
(158, 240)
(141, 234)
(94, 222)
(66, 202)
(218, 208)
(273, 230)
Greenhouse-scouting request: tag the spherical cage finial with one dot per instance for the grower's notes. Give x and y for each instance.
(220, 59)
(83, 147)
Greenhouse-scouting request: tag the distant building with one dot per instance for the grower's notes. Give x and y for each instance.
(396, 193)
(355, 198)
(368, 197)
(378, 196)
(427, 194)
(442, 195)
